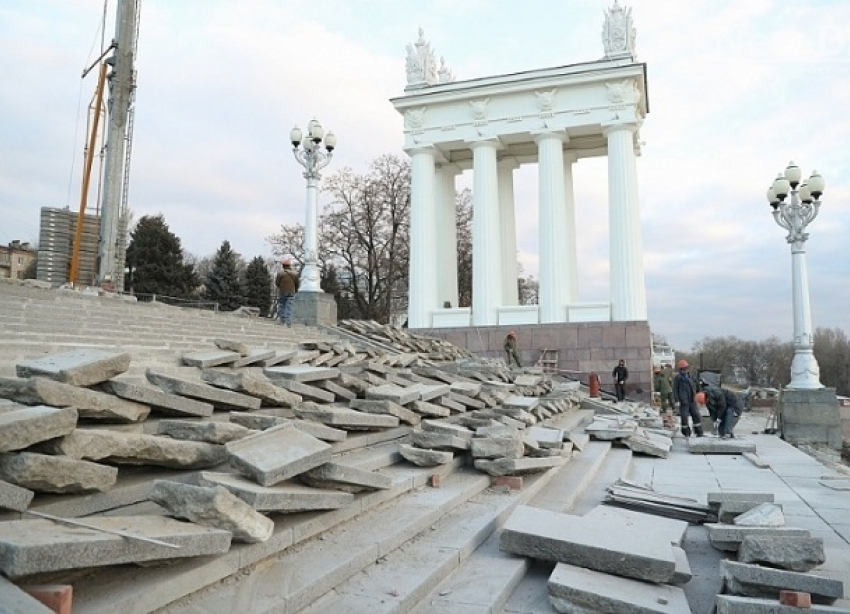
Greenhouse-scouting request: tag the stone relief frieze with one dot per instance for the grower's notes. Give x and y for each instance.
(414, 119)
(545, 102)
(479, 110)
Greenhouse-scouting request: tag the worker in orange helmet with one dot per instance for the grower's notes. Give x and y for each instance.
(684, 394)
(510, 349)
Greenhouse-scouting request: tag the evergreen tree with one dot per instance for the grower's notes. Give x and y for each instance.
(156, 261)
(222, 282)
(257, 282)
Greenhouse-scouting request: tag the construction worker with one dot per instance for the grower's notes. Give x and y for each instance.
(620, 375)
(510, 349)
(684, 393)
(662, 386)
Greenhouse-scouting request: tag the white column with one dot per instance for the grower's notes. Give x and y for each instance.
(507, 224)
(628, 289)
(569, 251)
(422, 297)
(446, 235)
(486, 243)
(551, 225)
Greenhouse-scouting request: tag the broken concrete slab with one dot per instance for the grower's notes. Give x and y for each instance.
(83, 367)
(762, 515)
(386, 406)
(341, 393)
(89, 403)
(252, 385)
(428, 392)
(212, 506)
(284, 497)
(277, 454)
(730, 510)
(14, 497)
(219, 398)
(424, 458)
(668, 529)
(394, 393)
(613, 549)
(469, 389)
(56, 474)
(209, 431)
(497, 447)
(261, 422)
(255, 356)
(164, 402)
(730, 604)
(301, 373)
(22, 427)
(346, 478)
(438, 441)
(280, 355)
(546, 437)
(521, 402)
(683, 573)
(430, 409)
(643, 442)
(575, 589)
(138, 449)
(306, 391)
(766, 582)
(729, 536)
(439, 426)
(345, 418)
(715, 445)
(209, 358)
(29, 547)
(791, 552)
(243, 349)
(518, 466)
(715, 499)
(466, 401)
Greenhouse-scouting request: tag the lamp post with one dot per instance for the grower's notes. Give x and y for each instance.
(794, 215)
(309, 154)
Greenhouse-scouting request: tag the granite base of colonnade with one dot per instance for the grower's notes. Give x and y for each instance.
(811, 417)
(582, 348)
(314, 309)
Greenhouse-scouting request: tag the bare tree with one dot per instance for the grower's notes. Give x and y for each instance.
(463, 221)
(832, 350)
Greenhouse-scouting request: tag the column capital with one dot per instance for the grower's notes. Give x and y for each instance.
(421, 148)
(561, 135)
(618, 125)
(487, 142)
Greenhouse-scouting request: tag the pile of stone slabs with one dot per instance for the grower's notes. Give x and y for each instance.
(644, 499)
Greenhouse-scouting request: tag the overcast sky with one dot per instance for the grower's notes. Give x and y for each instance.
(736, 91)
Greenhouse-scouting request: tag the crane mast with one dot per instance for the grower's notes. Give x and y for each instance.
(114, 210)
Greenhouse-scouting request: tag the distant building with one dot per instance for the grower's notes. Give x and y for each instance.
(15, 258)
(662, 355)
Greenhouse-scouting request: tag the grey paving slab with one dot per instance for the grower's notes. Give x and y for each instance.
(345, 418)
(277, 454)
(518, 466)
(345, 477)
(163, 401)
(284, 497)
(212, 506)
(209, 358)
(82, 367)
(253, 385)
(208, 430)
(91, 404)
(13, 497)
(730, 604)
(386, 406)
(22, 427)
(729, 536)
(302, 373)
(254, 356)
(56, 474)
(576, 589)
(766, 582)
(219, 398)
(28, 547)
(308, 392)
(136, 449)
(603, 547)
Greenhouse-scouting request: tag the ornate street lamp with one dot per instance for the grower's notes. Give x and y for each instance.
(794, 215)
(309, 154)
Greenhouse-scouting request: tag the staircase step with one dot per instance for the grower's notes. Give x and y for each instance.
(399, 581)
(485, 581)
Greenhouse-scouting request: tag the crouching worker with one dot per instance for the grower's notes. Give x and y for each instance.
(684, 393)
(724, 406)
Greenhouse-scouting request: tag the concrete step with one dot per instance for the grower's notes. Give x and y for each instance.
(487, 579)
(302, 573)
(532, 592)
(198, 585)
(399, 581)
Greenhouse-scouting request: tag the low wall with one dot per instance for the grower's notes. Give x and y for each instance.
(582, 348)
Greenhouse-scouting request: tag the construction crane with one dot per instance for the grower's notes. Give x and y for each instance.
(114, 210)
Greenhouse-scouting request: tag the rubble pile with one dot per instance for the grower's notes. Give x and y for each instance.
(220, 443)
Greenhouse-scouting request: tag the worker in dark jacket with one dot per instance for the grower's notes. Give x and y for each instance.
(287, 283)
(684, 393)
(510, 349)
(620, 375)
